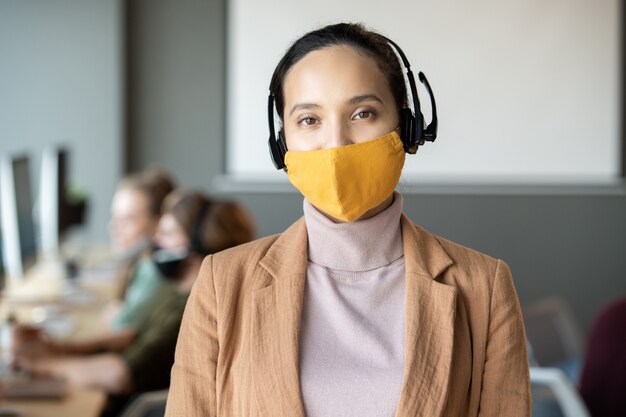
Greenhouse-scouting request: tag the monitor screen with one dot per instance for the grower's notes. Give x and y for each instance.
(65, 212)
(24, 205)
(51, 198)
(2, 272)
(19, 242)
(57, 212)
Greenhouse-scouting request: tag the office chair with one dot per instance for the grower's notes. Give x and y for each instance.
(554, 395)
(554, 335)
(148, 404)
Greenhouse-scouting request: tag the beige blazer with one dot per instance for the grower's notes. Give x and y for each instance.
(237, 353)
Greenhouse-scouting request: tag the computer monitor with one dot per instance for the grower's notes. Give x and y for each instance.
(2, 272)
(56, 212)
(51, 196)
(19, 246)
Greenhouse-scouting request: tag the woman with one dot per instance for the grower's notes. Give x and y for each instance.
(353, 310)
(191, 227)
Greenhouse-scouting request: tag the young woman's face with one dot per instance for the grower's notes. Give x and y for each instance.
(170, 234)
(336, 96)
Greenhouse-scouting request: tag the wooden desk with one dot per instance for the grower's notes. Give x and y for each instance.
(23, 298)
(77, 403)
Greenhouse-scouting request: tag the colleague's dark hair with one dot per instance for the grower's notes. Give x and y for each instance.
(224, 224)
(349, 34)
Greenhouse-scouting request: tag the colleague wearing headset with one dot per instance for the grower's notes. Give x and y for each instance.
(191, 227)
(353, 310)
(135, 213)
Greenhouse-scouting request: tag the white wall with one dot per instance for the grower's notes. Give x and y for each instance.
(61, 83)
(526, 89)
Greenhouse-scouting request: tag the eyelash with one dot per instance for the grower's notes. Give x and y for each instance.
(302, 120)
(370, 114)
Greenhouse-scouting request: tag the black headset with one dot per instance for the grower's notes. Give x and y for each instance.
(412, 131)
(196, 244)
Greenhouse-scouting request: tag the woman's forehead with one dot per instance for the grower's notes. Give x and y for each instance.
(338, 73)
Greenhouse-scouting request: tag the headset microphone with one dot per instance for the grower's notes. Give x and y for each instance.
(430, 134)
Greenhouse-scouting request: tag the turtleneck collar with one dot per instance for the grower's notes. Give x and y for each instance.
(362, 245)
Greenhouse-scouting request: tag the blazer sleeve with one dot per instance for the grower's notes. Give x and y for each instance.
(193, 379)
(506, 380)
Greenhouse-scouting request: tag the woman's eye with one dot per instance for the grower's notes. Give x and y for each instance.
(307, 121)
(365, 114)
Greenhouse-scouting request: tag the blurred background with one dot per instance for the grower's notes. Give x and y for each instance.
(127, 85)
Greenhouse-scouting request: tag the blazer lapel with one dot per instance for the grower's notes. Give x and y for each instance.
(429, 334)
(276, 314)
(275, 326)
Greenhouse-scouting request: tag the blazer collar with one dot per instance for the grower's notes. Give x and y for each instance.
(423, 254)
(430, 313)
(287, 257)
(275, 325)
(429, 327)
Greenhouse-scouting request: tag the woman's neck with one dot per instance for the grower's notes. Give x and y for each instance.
(357, 246)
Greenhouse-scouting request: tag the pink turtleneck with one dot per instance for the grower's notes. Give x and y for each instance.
(352, 331)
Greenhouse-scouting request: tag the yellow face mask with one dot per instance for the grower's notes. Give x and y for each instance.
(347, 181)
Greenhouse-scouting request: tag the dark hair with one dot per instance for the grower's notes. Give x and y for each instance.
(224, 224)
(349, 34)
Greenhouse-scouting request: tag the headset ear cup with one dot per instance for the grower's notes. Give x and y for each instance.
(419, 129)
(275, 153)
(282, 147)
(407, 124)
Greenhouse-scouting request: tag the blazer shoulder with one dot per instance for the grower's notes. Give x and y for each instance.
(472, 271)
(463, 254)
(247, 254)
(250, 266)
(465, 260)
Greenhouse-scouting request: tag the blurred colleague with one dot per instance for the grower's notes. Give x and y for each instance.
(135, 213)
(603, 380)
(191, 227)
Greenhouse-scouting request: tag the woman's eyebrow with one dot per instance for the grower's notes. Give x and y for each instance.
(365, 97)
(303, 106)
(354, 100)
